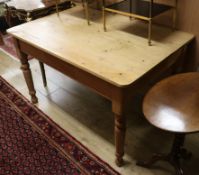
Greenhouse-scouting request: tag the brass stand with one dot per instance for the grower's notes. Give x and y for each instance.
(177, 153)
(175, 14)
(85, 6)
(57, 9)
(131, 14)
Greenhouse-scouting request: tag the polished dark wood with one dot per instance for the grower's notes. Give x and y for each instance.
(26, 11)
(173, 105)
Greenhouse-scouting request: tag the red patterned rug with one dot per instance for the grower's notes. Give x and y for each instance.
(31, 143)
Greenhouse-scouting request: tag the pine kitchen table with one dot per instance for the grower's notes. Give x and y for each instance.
(114, 63)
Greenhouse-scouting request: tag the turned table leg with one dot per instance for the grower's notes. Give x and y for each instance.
(120, 128)
(41, 64)
(26, 72)
(28, 78)
(43, 73)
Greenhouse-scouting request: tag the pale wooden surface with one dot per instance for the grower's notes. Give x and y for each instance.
(115, 56)
(30, 5)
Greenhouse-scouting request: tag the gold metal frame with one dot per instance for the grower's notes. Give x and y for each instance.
(57, 8)
(85, 6)
(130, 14)
(175, 14)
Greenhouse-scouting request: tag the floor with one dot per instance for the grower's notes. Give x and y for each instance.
(87, 116)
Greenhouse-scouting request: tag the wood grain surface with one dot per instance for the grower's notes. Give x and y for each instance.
(116, 56)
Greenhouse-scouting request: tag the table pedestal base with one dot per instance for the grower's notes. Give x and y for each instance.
(177, 153)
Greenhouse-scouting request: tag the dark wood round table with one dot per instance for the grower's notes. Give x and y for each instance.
(173, 105)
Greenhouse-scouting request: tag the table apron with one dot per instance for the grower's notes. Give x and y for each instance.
(101, 86)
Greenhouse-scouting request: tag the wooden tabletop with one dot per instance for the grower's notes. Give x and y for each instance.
(118, 56)
(30, 5)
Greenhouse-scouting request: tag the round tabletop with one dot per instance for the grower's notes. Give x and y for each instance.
(173, 103)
